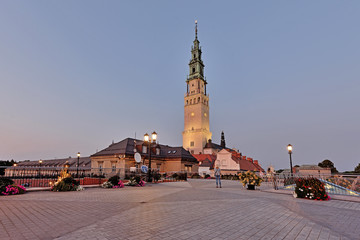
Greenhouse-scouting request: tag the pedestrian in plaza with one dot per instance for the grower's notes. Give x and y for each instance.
(217, 176)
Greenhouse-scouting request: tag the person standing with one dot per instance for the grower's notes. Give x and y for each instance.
(218, 176)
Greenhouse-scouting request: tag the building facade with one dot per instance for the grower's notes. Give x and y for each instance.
(312, 170)
(196, 104)
(119, 158)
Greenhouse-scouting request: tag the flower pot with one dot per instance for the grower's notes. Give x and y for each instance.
(250, 187)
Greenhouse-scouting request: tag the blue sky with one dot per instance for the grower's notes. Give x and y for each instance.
(76, 75)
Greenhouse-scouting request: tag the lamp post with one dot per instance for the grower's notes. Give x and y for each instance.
(149, 142)
(77, 166)
(14, 170)
(40, 162)
(290, 148)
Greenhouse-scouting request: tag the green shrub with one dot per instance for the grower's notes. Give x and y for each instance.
(310, 188)
(136, 181)
(21, 189)
(250, 178)
(65, 184)
(156, 176)
(5, 182)
(114, 180)
(195, 175)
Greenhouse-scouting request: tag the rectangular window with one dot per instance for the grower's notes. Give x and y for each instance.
(192, 144)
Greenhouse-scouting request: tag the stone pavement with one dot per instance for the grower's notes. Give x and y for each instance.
(181, 210)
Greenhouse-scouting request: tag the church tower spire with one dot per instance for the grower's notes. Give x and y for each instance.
(195, 29)
(222, 143)
(196, 103)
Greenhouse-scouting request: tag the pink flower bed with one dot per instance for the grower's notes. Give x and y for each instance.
(119, 185)
(13, 189)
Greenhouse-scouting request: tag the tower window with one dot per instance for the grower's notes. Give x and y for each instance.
(191, 144)
(194, 56)
(193, 70)
(187, 102)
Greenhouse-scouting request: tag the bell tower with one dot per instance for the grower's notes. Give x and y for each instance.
(196, 103)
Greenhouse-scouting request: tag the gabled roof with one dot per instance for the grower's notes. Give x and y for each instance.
(260, 169)
(246, 165)
(205, 160)
(84, 163)
(128, 145)
(310, 167)
(212, 145)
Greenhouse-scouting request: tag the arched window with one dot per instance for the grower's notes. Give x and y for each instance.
(198, 99)
(187, 102)
(190, 101)
(193, 70)
(194, 100)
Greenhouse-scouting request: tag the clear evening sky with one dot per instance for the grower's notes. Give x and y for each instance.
(76, 75)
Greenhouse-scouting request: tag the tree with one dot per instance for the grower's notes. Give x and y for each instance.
(5, 163)
(357, 169)
(328, 164)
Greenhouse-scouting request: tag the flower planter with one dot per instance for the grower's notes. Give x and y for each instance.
(250, 187)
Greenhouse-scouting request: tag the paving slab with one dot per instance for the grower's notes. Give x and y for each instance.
(179, 210)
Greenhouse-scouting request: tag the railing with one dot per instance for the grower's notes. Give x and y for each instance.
(334, 184)
(46, 176)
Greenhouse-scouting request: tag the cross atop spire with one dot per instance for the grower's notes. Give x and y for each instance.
(195, 29)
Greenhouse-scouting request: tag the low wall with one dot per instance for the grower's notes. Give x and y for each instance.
(45, 182)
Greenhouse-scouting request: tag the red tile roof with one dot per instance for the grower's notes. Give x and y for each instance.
(205, 160)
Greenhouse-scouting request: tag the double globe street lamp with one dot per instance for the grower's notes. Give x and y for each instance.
(149, 141)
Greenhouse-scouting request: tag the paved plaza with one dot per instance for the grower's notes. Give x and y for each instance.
(180, 210)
